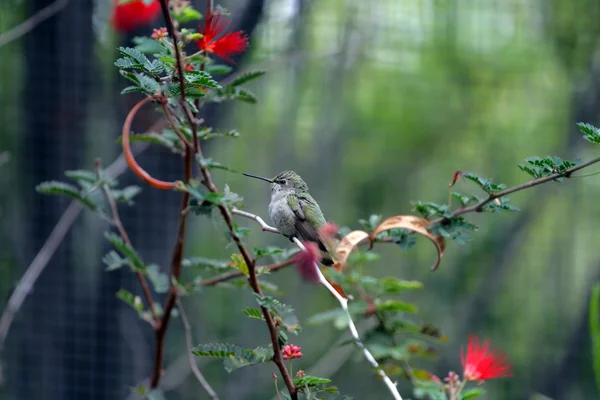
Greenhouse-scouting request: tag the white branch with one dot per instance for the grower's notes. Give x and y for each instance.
(265, 227)
(342, 300)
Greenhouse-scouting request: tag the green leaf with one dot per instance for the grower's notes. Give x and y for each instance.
(218, 69)
(393, 285)
(207, 133)
(266, 252)
(167, 139)
(201, 262)
(201, 79)
(370, 223)
(134, 301)
(395, 306)
(464, 200)
(134, 259)
(310, 381)
(486, 184)
(501, 204)
(126, 194)
(234, 356)
(211, 164)
(539, 167)
(253, 313)
(159, 280)
(429, 390)
(430, 210)
(147, 45)
(595, 331)
(136, 59)
(457, 228)
(145, 83)
(83, 176)
(65, 189)
(231, 199)
(284, 313)
(237, 262)
(186, 15)
(590, 132)
(246, 77)
(114, 261)
(472, 393)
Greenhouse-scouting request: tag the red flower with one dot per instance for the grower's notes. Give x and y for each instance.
(481, 363)
(128, 16)
(305, 262)
(159, 34)
(227, 45)
(189, 67)
(291, 351)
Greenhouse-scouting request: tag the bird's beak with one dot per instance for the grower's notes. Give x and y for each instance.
(259, 177)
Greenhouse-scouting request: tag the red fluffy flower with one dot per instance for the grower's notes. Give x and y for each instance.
(221, 44)
(128, 16)
(305, 262)
(481, 363)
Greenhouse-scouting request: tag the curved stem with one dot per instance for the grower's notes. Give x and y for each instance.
(135, 167)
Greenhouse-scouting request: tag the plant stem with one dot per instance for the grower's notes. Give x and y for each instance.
(119, 225)
(496, 195)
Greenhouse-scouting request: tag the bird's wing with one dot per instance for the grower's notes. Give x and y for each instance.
(306, 209)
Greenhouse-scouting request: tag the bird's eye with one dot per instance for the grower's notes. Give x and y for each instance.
(283, 182)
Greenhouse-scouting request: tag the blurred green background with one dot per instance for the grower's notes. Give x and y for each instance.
(376, 104)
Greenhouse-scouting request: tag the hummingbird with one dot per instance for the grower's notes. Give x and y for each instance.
(293, 210)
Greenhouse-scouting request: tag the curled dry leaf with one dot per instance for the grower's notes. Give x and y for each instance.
(346, 246)
(415, 224)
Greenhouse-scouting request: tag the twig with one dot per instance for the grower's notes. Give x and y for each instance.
(175, 273)
(262, 223)
(119, 225)
(31, 22)
(343, 303)
(37, 267)
(496, 195)
(238, 274)
(43, 256)
(188, 343)
(178, 252)
(253, 280)
(353, 331)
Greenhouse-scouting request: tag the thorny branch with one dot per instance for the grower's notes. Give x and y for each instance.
(238, 274)
(178, 251)
(496, 195)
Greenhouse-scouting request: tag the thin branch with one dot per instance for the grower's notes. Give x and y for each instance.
(119, 225)
(188, 344)
(31, 22)
(265, 227)
(41, 259)
(238, 274)
(353, 331)
(253, 280)
(343, 303)
(175, 273)
(496, 195)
